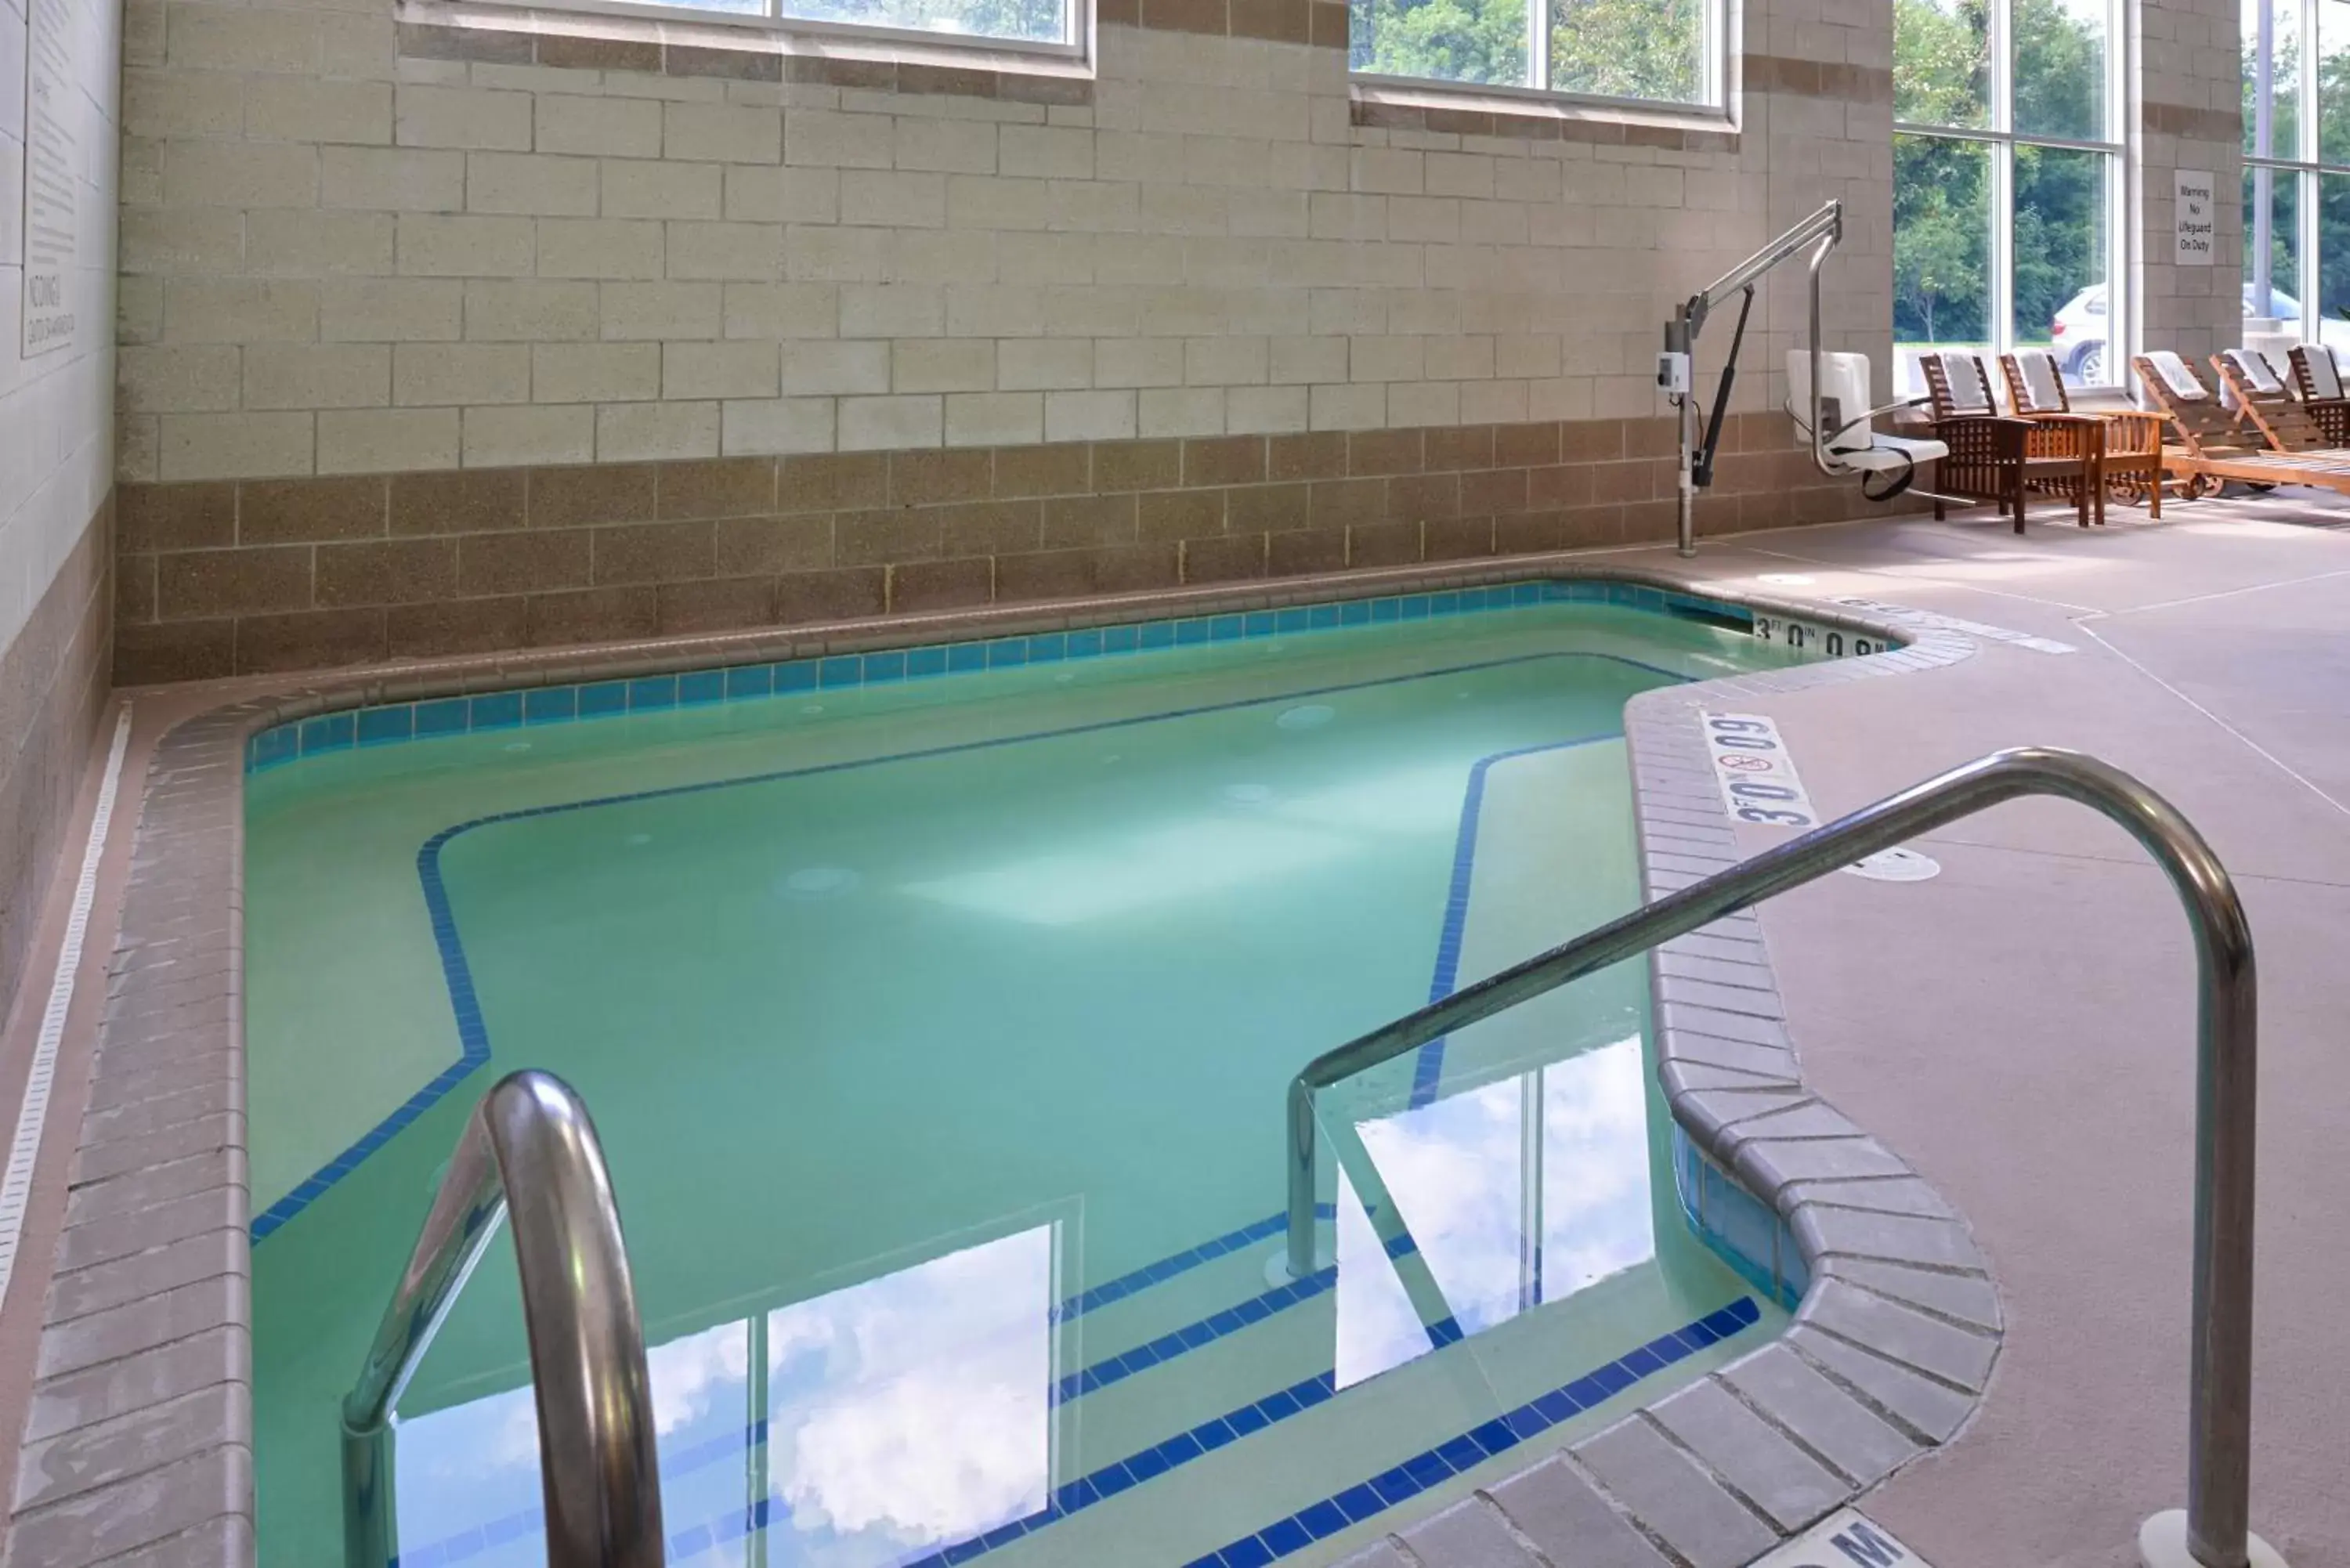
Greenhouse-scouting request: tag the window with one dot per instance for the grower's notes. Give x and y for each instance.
(2007, 175)
(1043, 26)
(1642, 51)
(2296, 174)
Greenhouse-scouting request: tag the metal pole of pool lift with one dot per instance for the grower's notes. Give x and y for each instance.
(1675, 367)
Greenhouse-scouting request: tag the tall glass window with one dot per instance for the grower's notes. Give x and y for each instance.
(2296, 174)
(2006, 182)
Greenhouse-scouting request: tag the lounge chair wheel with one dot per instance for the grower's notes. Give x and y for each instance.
(2201, 486)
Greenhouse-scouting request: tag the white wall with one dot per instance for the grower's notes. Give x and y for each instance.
(57, 411)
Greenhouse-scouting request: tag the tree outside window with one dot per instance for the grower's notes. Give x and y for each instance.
(2005, 168)
(1649, 50)
(2296, 174)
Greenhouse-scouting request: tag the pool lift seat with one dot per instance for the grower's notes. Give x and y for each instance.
(1828, 392)
(1855, 443)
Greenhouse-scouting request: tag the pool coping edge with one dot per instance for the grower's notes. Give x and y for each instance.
(136, 1441)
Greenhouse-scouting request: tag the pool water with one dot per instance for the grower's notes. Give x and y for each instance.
(938, 1034)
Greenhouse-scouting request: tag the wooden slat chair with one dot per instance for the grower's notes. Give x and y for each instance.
(2262, 403)
(2208, 446)
(1999, 458)
(2130, 464)
(2318, 381)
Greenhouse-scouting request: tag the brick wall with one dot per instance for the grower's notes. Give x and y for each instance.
(352, 246)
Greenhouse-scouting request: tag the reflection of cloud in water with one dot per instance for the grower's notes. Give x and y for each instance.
(687, 1372)
(911, 1410)
(916, 1406)
(1598, 1213)
(1456, 1170)
(1377, 1326)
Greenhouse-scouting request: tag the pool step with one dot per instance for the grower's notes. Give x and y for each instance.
(1207, 1492)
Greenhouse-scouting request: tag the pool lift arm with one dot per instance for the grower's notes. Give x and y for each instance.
(1675, 372)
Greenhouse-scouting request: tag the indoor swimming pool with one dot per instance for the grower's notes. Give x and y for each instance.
(936, 1009)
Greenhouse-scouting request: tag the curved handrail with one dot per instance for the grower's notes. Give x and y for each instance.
(530, 1146)
(2219, 1395)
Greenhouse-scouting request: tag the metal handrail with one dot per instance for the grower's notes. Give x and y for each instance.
(528, 1146)
(2219, 1394)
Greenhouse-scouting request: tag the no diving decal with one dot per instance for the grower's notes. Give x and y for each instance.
(1757, 778)
(1843, 1540)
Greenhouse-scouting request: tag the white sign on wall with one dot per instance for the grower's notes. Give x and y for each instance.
(2196, 215)
(50, 177)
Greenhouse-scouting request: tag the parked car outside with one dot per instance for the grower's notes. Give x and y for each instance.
(2077, 336)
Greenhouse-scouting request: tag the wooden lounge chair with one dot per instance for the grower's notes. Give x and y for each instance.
(2129, 463)
(2262, 403)
(2212, 446)
(2318, 380)
(1994, 457)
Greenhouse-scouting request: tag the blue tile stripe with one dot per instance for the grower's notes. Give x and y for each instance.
(458, 975)
(1428, 1070)
(1167, 1268)
(438, 718)
(473, 1052)
(1463, 1452)
(1292, 1532)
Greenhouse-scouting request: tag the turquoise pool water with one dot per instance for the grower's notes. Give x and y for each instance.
(936, 1031)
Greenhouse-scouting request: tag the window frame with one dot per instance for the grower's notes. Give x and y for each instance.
(1076, 23)
(2306, 167)
(2002, 139)
(1713, 73)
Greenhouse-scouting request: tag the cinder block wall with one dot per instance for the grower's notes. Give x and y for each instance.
(57, 463)
(439, 339)
(2190, 115)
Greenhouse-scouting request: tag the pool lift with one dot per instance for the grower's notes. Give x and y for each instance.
(1820, 385)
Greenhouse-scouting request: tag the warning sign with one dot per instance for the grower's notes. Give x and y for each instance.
(51, 195)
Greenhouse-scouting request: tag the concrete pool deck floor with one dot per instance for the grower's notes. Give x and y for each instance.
(2019, 1029)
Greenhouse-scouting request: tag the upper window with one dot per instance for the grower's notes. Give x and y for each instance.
(1046, 25)
(1643, 51)
(2296, 174)
(2007, 173)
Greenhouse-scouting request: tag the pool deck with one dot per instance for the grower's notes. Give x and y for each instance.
(2019, 1029)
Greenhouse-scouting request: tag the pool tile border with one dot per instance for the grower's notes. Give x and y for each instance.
(158, 1195)
(431, 718)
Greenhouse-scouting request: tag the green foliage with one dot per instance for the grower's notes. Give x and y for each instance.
(2333, 194)
(1620, 48)
(1941, 63)
(1941, 240)
(1480, 41)
(1628, 49)
(1942, 186)
(1042, 20)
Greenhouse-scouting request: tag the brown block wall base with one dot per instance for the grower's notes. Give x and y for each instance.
(258, 575)
(53, 684)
